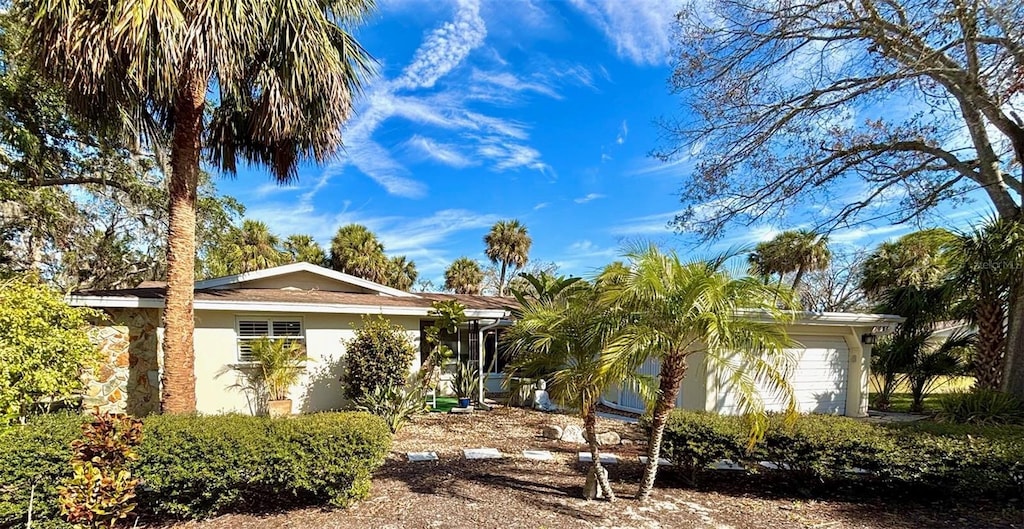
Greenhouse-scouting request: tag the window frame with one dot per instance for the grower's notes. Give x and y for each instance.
(270, 321)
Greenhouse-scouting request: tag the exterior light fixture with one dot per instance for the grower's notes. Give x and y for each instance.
(869, 338)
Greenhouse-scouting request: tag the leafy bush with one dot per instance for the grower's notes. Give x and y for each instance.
(946, 458)
(379, 355)
(43, 346)
(395, 404)
(194, 467)
(101, 490)
(34, 461)
(279, 366)
(981, 406)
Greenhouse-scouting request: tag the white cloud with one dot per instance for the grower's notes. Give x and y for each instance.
(445, 153)
(588, 198)
(541, 206)
(445, 48)
(271, 188)
(509, 82)
(640, 30)
(512, 156)
(646, 225)
(623, 133)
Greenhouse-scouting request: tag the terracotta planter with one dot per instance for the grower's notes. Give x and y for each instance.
(279, 408)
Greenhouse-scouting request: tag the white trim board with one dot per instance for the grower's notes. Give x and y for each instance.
(270, 306)
(221, 282)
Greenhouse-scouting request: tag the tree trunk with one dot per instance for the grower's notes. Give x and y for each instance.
(673, 369)
(501, 279)
(596, 471)
(1013, 367)
(798, 278)
(179, 383)
(991, 345)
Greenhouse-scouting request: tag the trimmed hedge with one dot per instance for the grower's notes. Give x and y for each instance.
(195, 467)
(950, 459)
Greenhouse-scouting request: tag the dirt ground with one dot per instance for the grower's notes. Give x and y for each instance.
(515, 492)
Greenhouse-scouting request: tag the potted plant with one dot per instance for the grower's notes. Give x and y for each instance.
(465, 382)
(280, 365)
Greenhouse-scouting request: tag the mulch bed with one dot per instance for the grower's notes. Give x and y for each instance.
(519, 493)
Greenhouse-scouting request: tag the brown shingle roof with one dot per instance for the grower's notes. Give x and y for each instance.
(314, 296)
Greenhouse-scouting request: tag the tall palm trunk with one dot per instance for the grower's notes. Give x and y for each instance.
(799, 277)
(1013, 371)
(991, 345)
(179, 384)
(501, 278)
(597, 472)
(673, 369)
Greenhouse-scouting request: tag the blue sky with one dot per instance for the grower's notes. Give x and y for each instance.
(488, 110)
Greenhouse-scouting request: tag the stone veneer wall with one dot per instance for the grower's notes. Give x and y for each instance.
(128, 380)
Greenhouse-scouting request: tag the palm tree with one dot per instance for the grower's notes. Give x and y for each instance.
(284, 75)
(544, 286)
(402, 273)
(986, 264)
(508, 245)
(304, 249)
(679, 309)
(798, 251)
(253, 247)
(355, 250)
(917, 260)
(464, 276)
(563, 340)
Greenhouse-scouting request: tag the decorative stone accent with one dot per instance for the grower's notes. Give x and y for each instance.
(608, 438)
(124, 381)
(573, 434)
(551, 431)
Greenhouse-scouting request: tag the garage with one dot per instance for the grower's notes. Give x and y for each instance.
(829, 374)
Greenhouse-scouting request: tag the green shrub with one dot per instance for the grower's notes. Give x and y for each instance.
(34, 459)
(981, 406)
(695, 440)
(945, 458)
(43, 346)
(379, 355)
(194, 467)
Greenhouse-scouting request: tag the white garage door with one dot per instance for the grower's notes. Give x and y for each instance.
(819, 379)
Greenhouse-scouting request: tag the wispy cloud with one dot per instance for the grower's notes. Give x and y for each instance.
(541, 206)
(656, 224)
(640, 30)
(589, 197)
(623, 133)
(500, 143)
(445, 153)
(507, 81)
(445, 48)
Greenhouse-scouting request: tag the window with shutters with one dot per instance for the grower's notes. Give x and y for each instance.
(250, 329)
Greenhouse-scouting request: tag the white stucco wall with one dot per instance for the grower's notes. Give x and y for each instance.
(220, 377)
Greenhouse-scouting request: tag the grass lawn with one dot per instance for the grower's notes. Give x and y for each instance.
(515, 492)
(444, 404)
(902, 399)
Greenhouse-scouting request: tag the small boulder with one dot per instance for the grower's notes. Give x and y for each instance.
(573, 434)
(608, 438)
(552, 431)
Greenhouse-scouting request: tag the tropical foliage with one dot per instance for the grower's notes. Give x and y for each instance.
(304, 249)
(464, 276)
(356, 250)
(680, 309)
(395, 404)
(279, 366)
(791, 252)
(508, 247)
(309, 69)
(564, 339)
(44, 346)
